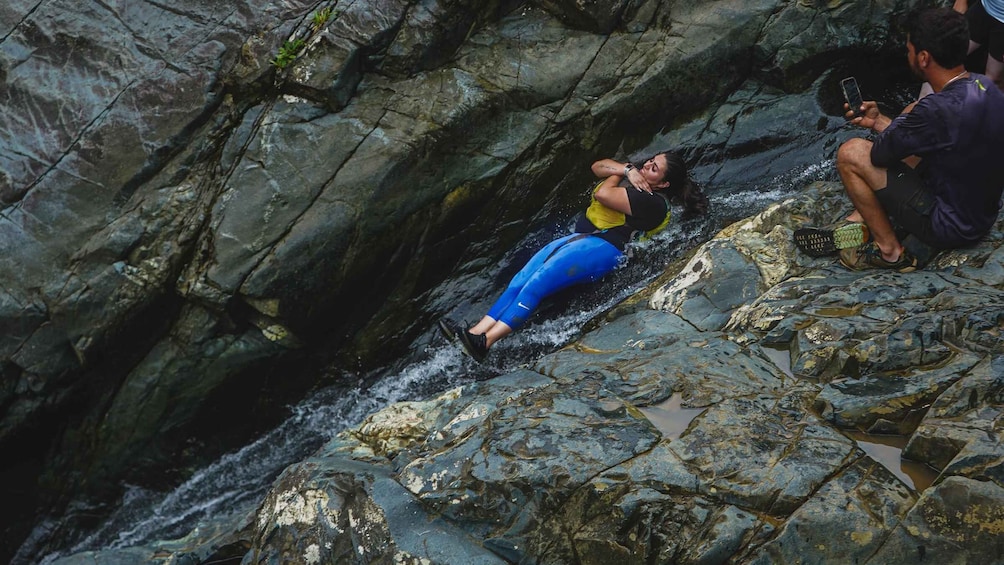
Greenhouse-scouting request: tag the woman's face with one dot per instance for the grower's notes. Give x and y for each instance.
(654, 170)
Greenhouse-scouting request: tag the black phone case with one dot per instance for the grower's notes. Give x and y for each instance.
(852, 94)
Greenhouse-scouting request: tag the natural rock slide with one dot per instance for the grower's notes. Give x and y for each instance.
(205, 207)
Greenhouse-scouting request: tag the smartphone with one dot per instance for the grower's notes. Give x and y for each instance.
(852, 94)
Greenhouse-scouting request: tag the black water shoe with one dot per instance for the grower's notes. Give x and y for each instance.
(475, 345)
(450, 330)
(818, 242)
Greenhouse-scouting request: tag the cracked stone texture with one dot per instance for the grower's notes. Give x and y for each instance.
(556, 465)
(567, 461)
(179, 216)
(960, 432)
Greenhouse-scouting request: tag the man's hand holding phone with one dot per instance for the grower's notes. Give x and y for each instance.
(859, 112)
(867, 116)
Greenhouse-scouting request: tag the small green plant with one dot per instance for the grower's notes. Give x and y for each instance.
(287, 53)
(320, 18)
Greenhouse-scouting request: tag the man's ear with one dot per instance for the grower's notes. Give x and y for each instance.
(923, 58)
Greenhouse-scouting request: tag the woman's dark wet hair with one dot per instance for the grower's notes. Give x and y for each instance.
(942, 32)
(682, 189)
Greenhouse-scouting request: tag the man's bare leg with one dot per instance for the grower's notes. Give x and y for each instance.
(861, 179)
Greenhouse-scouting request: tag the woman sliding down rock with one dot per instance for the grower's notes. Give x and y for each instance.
(631, 200)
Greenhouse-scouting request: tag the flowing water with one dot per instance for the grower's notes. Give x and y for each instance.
(235, 483)
(738, 186)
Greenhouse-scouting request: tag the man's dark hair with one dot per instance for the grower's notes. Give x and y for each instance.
(942, 32)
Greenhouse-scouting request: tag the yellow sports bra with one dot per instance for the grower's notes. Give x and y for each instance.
(606, 218)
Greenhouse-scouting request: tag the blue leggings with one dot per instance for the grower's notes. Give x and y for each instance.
(573, 259)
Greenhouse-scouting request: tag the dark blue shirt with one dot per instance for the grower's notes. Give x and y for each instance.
(959, 135)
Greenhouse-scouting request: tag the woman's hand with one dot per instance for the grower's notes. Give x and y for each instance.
(638, 180)
(608, 168)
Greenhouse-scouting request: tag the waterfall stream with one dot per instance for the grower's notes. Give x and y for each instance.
(234, 484)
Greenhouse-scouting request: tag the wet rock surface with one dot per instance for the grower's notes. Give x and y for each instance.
(565, 461)
(205, 204)
(545, 473)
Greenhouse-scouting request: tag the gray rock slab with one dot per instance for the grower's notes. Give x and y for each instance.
(333, 509)
(649, 508)
(646, 357)
(892, 402)
(846, 521)
(959, 434)
(958, 521)
(763, 452)
(716, 281)
(527, 456)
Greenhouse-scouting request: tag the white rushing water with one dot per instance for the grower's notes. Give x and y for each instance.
(237, 481)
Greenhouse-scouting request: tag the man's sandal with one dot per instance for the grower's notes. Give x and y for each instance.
(818, 242)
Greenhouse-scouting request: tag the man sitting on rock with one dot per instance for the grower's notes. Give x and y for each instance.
(937, 169)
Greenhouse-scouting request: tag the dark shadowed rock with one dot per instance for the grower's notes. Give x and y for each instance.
(599, 15)
(433, 30)
(573, 461)
(196, 205)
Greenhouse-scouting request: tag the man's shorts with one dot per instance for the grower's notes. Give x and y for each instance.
(986, 30)
(908, 202)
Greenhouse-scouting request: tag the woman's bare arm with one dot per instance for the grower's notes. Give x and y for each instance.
(607, 167)
(613, 196)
